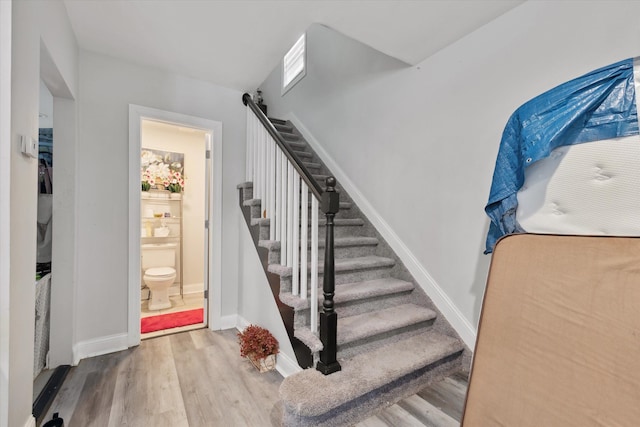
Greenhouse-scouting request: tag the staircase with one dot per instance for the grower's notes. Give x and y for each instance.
(391, 340)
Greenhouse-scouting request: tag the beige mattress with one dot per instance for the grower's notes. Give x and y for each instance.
(559, 334)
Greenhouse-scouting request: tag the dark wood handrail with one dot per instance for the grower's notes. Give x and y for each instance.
(295, 161)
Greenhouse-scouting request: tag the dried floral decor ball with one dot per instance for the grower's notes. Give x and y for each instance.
(257, 342)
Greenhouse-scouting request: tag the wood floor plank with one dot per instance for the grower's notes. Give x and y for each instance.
(448, 395)
(196, 384)
(395, 415)
(202, 338)
(428, 414)
(373, 422)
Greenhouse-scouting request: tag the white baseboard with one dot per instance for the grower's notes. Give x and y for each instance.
(286, 366)
(31, 422)
(228, 322)
(441, 300)
(241, 323)
(193, 288)
(99, 346)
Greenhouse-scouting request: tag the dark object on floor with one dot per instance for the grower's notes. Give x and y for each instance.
(55, 421)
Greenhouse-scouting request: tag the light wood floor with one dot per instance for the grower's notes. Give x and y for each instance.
(198, 378)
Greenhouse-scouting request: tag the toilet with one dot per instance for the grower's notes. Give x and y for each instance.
(158, 262)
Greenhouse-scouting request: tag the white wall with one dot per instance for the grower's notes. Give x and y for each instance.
(192, 144)
(107, 87)
(34, 24)
(255, 300)
(420, 142)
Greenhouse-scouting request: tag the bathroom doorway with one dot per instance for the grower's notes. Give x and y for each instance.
(174, 222)
(174, 169)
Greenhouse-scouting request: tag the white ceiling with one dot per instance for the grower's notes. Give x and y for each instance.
(236, 43)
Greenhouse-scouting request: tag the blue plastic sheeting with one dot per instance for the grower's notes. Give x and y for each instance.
(597, 106)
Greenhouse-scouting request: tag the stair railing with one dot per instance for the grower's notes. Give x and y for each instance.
(283, 183)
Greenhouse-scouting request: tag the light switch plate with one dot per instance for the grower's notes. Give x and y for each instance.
(29, 146)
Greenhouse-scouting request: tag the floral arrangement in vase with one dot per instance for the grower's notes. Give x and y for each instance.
(259, 346)
(147, 181)
(174, 182)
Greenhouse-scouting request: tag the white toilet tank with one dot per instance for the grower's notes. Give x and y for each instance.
(158, 255)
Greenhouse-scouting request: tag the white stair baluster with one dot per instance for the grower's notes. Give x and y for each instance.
(295, 283)
(289, 214)
(256, 153)
(283, 210)
(267, 177)
(257, 185)
(249, 153)
(304, 231)
(263, 171)
(271, 209)
(278, 197)
(314, 266)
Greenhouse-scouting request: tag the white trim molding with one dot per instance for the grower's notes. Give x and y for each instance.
(441, 300)
(99, 346)
(214, 131)
(5, 206)
(226, 322)
(31, 421)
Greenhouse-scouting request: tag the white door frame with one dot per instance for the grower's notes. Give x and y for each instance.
(5, 206)
(213, 128)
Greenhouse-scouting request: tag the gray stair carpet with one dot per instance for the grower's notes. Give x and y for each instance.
(392, 340)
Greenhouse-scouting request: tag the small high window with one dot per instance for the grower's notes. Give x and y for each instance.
(294, 64)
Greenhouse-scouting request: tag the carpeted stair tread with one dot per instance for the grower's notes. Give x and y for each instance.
(338, 242)
(340, 222)
(283, 127)
(311, 165)
(354, 328)
(370, 289)
(297, 146)
(260, 221)
(341, 265)
(302, 154)
(362, 263)
(347, 242)
(277, 121)
(358, 291)
(309, 339)
(244, 185)
(289, 137)
(252, 202)
(311, 394)
(343, 205)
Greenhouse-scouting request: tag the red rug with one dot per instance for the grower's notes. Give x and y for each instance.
(171, 320)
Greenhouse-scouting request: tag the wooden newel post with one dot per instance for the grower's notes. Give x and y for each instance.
(328, 363)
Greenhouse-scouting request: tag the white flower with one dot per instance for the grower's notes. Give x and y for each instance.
(159, 171)
(147, 158)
